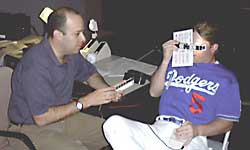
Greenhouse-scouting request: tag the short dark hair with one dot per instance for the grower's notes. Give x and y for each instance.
(57, 20)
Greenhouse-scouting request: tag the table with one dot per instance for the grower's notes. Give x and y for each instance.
(136, 104)
(114, 67)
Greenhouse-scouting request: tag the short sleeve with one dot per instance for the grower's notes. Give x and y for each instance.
(229, 103)
(84, 68)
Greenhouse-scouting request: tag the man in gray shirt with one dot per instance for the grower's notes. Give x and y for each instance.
(41, 104)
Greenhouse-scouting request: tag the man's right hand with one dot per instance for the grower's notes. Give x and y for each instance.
(168, 48)
(100, 96)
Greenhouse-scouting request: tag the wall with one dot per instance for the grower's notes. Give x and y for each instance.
(33, 8)
(140, 26)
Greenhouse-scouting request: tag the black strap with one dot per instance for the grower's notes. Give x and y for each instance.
(24, 138)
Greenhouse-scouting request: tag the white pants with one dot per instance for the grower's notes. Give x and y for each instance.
(126, 134)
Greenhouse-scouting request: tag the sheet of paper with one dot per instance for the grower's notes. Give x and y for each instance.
(183, 57)
(114, 67)
(118, 66)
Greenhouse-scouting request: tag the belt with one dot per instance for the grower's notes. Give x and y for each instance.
(16, 124)
(171, 119)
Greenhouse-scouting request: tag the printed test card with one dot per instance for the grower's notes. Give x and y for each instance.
(183, 57)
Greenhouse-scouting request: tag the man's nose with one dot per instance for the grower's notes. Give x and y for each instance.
(83, 38)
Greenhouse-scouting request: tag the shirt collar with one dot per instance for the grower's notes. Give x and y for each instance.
(50, 50)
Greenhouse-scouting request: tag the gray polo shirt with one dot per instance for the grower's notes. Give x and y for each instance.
(39, 81)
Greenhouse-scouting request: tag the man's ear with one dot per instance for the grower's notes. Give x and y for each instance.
(215, 47)
(57, 34)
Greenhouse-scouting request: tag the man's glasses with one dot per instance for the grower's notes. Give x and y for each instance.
(191, 46)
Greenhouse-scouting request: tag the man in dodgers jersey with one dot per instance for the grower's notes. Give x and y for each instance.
(196, 101)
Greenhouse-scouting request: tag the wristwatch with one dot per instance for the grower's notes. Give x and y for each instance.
(79, 105)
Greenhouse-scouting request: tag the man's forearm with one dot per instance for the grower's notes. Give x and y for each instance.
(96, 81)
(55, 114)
(219, 126)
(158, 80)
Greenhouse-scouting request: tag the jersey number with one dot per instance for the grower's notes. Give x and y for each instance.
(195, 97)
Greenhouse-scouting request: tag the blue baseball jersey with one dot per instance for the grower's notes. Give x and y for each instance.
(201, 93)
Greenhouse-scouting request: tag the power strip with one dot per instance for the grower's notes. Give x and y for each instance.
(125, 84)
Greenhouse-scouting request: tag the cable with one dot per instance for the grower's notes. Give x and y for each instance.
(162, 140)
(145, 55)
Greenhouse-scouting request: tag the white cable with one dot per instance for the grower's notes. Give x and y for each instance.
(145, 55)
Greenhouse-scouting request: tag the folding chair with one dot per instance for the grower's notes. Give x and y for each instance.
(5, 92)
(216, 145)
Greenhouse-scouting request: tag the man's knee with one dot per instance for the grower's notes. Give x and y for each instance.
(113, 123)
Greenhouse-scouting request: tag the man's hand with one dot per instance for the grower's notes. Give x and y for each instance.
(100, 96)
(187, 132)
(168, 48)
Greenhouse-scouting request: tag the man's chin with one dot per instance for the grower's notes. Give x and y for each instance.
(76, 51)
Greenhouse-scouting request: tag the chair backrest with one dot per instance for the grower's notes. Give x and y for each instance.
(216, 145)
(5, 92)
(226, 140)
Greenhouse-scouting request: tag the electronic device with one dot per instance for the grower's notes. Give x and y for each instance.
(14, 26)
(93, 27)
(102, 51)
(124, 85)
(139, 77)
(90, 47)
(94, 51)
